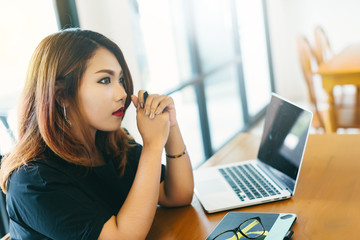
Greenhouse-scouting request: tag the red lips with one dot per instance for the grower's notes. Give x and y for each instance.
(119, 112)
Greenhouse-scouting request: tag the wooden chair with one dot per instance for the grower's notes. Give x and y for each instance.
(6, 237)
(324, 52)
(309, 65)
(347, 115)
(322, 47)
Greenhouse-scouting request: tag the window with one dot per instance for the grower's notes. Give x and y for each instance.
(223, 105)
(188, 117)
(165, 51)
(23, 24)
(254, 52)
(212, 56)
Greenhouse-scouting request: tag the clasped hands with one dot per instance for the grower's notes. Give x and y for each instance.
(155, 117)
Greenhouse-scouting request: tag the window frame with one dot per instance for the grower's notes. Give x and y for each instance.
(198, 79)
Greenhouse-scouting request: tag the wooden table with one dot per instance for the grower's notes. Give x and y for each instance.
(326, 201)
(342, 69)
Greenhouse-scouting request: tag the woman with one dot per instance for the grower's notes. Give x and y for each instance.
(75, 173)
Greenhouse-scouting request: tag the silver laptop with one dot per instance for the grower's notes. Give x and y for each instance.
(272, 176)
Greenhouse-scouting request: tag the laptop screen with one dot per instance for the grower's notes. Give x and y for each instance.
(284, 138)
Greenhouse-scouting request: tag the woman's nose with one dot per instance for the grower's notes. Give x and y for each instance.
(120, 93)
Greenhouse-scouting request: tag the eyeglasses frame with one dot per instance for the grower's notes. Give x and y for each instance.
(237, 229)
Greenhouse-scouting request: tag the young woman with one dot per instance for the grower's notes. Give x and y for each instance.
(75, 173)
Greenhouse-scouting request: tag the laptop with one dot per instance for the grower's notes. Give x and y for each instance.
(272, 176)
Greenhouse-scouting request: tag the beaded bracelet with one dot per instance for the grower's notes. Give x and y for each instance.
(176, 156)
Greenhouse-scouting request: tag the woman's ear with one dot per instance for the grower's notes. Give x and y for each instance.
(60, 97)
(63, 103)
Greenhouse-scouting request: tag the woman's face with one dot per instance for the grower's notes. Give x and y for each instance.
(102, 95)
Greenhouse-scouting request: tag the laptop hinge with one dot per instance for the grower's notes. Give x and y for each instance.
(268, 170)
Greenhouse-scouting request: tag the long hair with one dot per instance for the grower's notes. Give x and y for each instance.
(54, 73)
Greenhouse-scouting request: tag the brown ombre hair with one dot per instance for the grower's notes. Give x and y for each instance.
(54, 74)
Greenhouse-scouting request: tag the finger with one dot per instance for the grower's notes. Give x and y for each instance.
(155, 105)
(151, 104)
(135, 101)
(167, 115)
(148, 103)
(166, 102)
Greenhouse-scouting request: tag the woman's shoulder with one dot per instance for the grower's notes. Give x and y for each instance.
(25, 174)
(38, 173)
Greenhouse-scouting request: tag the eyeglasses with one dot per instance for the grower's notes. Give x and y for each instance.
(251, 228)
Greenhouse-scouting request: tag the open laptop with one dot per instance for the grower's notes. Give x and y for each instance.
(272, 176)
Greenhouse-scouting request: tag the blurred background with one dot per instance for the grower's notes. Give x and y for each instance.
(219, 59)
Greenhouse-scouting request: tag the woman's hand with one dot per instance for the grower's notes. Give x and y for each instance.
(156, 104)
(154, 130)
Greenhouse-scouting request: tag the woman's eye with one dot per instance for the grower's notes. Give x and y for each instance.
(122, 80)
(104, 80)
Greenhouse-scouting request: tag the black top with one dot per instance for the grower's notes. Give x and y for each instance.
(53, 199)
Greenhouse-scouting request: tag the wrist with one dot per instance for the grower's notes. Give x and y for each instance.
(153, 147)
(178, 155)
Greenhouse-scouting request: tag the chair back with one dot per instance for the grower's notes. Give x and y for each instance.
(322, 48)
(309, 66)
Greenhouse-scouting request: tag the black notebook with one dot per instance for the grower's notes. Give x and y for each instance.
(276, 225)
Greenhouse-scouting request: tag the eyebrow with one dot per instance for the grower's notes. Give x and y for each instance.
(109, 71)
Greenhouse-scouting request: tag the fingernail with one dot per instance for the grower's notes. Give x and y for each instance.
(151, 115)
(146, 112)
(141, 105)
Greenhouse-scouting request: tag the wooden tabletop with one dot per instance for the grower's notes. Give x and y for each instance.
(346, 62)
(326, 201)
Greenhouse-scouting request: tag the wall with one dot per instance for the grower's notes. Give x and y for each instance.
(289, 18)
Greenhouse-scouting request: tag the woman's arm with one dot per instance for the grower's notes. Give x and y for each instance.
(178, 187)
(135, 217)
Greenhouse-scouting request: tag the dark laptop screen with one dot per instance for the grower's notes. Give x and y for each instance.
(284, 138)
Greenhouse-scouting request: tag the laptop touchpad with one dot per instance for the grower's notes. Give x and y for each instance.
(211, 186)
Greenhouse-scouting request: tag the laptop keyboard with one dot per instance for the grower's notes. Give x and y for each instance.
(247, 182)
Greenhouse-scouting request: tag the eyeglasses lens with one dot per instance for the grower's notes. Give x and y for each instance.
(252, 228)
